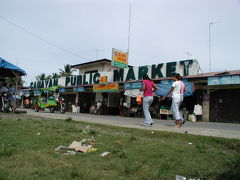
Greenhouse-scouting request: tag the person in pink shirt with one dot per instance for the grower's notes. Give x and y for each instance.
(149, 88)
(182, 91)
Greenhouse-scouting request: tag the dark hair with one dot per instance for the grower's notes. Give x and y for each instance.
(176, 75)
(180, 78)
(146, 77)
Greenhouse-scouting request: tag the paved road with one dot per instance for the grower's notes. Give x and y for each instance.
(226, 130)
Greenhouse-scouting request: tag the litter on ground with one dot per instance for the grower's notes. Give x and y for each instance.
(84, 140)
(69, 153)
(83, 148)
(80, 146)
(84, 132)
(92, 149)
(85, 145)
(105, 154)
(60, 147)
(180, 177)
(75, 145)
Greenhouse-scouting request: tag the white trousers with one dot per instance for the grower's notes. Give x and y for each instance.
(181, 114)
(175, 108)
(147, 101)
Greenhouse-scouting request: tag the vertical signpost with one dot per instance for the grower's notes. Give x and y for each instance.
(119, 59)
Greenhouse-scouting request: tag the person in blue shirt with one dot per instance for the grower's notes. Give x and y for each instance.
(11, 93)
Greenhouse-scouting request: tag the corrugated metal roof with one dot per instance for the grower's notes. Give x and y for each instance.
(91, 62)
(212, 74)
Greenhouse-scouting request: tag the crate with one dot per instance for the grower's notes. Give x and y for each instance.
(165, 111)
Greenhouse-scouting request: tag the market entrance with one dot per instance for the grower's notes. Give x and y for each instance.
(85, 101)
(224, 105)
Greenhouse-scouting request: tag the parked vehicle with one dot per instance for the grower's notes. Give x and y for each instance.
(48, 100)
(61, 105)
(5, 103)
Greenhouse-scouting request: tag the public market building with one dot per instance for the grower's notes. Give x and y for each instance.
(116, 89)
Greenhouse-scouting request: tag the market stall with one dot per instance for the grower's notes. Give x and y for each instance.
(7, 69)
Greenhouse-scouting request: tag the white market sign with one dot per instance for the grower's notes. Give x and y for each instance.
(155, 71)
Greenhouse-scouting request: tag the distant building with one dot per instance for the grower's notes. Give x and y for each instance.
(94, 66)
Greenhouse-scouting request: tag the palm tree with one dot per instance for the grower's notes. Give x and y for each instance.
(55, 75)
(43, 76)
(13, 80)
(67, 71)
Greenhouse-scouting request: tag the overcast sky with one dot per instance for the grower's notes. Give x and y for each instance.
(161, 31)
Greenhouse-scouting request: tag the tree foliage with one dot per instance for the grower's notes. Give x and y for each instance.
(43, 76)
(67, 71)
(13, 80)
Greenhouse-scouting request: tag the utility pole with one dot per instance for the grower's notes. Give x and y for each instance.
(129, 30)
(210, 55)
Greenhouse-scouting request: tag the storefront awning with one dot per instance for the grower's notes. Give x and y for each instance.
(133, 92)
(7, 69)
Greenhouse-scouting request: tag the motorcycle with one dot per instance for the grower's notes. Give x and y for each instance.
(61, 105)
(5, 103)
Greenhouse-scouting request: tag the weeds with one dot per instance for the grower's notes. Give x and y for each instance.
(122, 154)
(92, 132)
(69, 119)
(132, 167)
(202, 148)
(7, 150)
(136, 154)
(132, 138)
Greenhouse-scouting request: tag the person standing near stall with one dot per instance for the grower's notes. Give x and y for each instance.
(176, 99)
(11, 94)
(149, 88)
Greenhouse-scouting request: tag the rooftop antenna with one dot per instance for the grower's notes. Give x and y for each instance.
(210, 24)
(189, 55)
(98, 50)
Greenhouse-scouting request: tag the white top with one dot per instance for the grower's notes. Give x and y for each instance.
(176, 92)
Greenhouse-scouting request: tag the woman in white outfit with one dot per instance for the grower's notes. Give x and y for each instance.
(176, 99)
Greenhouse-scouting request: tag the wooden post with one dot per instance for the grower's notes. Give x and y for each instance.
(15, 91)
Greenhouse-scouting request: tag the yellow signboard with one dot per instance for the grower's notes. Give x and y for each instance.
(103, 79)
(105, 87)
(119, 59)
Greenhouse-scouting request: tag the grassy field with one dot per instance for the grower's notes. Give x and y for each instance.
(136, 154)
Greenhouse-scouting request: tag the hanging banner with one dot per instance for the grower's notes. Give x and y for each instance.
(106, 87)
(78, 89)
(223, 80)
(62, 90)
(133, 85)
(119, 59)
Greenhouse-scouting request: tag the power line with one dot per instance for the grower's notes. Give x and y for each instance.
(42, 39)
